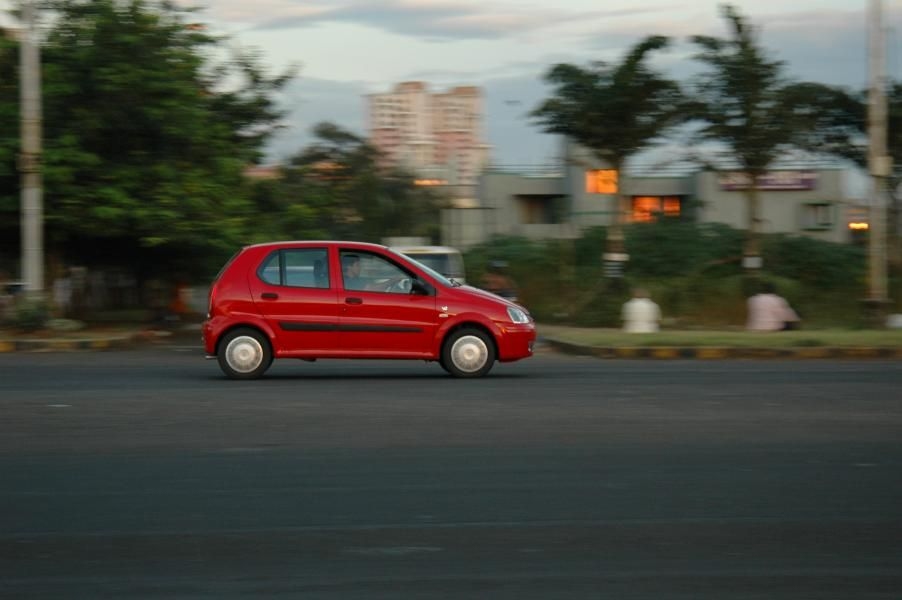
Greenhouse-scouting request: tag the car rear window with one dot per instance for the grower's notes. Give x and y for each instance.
(296, 267)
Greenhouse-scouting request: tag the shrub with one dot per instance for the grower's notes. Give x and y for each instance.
(30, 315)
(670, 248)
(823, 265)
(694, 272)
(588, 249)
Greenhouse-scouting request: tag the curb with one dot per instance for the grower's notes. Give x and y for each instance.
(722, 353)
(119, 342)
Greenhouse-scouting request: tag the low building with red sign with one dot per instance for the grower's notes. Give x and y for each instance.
(561, 200)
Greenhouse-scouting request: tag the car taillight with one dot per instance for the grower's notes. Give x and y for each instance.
(210, 297)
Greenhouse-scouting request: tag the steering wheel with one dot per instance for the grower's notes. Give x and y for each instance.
(402, 285)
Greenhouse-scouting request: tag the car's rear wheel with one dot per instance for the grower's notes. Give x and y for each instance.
(468, 352)
(244, 354)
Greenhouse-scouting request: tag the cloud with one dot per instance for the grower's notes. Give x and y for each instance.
(438, 20)
(827, 46)
(312, 101)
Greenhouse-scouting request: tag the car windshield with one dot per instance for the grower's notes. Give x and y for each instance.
(442, 262)
(425, 267)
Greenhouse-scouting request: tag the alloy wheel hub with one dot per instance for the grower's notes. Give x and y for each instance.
(469, 353)
(244, 354)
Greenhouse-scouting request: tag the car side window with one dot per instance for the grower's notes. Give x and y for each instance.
(297, 267)
(270, 271)
(371, 272)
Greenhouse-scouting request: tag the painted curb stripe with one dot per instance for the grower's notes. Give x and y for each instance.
(710, 353)
(61, 345)
(720, 353)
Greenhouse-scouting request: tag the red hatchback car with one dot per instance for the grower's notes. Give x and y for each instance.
(312, 300)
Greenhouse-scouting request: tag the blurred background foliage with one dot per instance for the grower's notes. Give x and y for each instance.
(694, 272)
(149, 126)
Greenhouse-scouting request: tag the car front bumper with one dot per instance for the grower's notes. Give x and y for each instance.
(516, 341)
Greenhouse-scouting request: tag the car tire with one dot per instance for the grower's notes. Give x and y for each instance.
(468, 352)
(244, 353)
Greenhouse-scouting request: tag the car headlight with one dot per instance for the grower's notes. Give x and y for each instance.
(517, 315)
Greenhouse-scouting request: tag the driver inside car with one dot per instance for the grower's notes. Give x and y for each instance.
(350, 269)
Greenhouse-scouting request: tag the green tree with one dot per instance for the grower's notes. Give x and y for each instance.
(828, 119)
(146, 137)
(9, 148)
(835, 121)
(338, 187)
(613, 110)
(894, 148)
(745, 103)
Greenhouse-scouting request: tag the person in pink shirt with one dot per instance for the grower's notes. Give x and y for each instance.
(767, 311)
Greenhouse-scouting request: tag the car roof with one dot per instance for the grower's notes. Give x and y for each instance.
(317, 243)
(415, 249)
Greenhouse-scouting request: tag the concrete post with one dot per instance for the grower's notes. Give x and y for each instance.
(32, 219)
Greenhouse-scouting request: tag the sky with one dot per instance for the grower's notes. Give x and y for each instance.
(345, 49)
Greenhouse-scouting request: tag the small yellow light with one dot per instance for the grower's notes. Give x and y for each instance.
(858, 226)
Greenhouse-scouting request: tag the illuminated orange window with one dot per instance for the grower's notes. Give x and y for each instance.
(601, 181)
(649, 208)
(645, 207)
(671, 207)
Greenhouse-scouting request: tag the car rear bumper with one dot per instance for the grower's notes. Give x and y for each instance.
(208, 332)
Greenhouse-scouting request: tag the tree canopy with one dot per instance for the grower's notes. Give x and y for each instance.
(743, 102)
(740, 98)
(9, 146)
(338, 188)
(612, 110)
(145, 137)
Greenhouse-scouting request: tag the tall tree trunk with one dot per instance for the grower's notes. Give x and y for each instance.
(615, 257)
(615, 238)
(752, 251)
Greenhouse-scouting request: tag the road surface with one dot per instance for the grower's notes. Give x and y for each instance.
(146, 474)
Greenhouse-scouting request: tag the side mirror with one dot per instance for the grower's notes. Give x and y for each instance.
(420, 288)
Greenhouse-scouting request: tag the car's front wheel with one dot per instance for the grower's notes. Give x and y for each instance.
(468, 352)
(244, 354)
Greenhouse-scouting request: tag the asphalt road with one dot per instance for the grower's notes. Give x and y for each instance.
(146, 474)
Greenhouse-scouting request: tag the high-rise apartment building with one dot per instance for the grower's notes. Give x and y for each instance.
(437, 136)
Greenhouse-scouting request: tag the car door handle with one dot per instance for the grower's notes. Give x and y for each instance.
(354, 300)
(269, 296)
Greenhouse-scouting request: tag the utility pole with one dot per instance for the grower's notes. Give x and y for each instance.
(879, 164)
(32, 223)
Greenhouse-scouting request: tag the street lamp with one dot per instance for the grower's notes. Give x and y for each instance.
(879, 165)
(32, 225)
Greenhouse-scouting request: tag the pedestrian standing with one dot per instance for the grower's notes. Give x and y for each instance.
(641, 314)
(768, 311)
